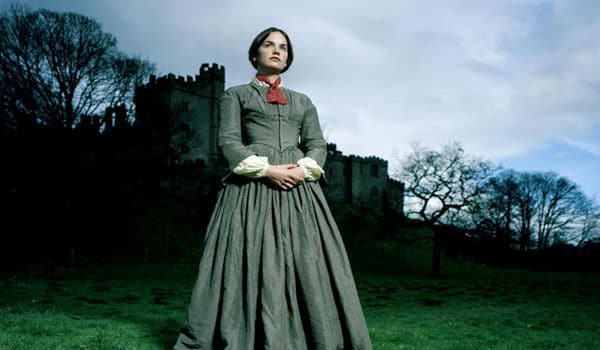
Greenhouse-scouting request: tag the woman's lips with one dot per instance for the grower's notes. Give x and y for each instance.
(275, 59)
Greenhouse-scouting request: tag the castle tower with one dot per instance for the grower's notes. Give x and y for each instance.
(181, 114)
(368, 180)
(361, 181)
(338, 177)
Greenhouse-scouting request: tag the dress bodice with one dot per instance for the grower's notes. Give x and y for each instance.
(247, 119)
(274, 125)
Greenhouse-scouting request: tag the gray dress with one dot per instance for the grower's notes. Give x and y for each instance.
(274, 273)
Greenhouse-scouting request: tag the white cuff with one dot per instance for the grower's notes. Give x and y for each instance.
(306, 172)
(252, 167)
(312, 170)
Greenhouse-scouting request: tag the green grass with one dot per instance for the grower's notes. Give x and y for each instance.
(482, 314)
(112, 307)
(142, 306)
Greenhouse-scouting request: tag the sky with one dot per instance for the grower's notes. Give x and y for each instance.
(515, 82)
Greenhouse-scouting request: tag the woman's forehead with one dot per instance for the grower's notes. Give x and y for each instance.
(276, 37)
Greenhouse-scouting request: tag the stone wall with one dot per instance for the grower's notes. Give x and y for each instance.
(186, 109)
(182, 113)
(361, 181)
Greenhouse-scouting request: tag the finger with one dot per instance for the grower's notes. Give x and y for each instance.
(288, 184)
(297, 177)
(291, 183)
(291, 180)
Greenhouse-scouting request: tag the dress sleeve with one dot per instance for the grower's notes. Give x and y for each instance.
(252, 167)
(312, 170)
(313, 141)
(230, 130)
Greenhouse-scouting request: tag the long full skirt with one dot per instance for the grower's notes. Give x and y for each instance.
(274, 273)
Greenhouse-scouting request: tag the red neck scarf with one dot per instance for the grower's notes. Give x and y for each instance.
(274, 95)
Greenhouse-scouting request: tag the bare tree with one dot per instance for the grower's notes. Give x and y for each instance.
(496, 208)
(558, 204)
(439, 182)
(588, 225)
(542, 207)
(56, 67)
(527, 210)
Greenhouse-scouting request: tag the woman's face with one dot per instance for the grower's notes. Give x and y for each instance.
(272, 54)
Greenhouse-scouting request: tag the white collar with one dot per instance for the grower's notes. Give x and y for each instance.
(263, 84)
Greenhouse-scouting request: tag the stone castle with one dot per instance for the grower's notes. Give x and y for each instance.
(361, 181)
(185, 108)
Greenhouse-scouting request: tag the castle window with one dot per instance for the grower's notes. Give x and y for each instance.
(374, 170)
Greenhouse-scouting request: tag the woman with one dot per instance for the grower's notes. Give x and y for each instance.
(274, 273)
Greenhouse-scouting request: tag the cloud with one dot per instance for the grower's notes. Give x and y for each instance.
(504, 78)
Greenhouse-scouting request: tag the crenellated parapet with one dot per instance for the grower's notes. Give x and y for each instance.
(212, 72)
(368, 160)
(361, 181)
(209, 82)
(184, 110)
(115, 117)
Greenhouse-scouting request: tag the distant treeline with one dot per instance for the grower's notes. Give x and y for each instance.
(74, 192)
(499, 215)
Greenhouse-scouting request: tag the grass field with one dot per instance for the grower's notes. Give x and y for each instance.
(142, 306)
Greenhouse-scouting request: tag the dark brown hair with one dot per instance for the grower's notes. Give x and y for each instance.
(260, 38)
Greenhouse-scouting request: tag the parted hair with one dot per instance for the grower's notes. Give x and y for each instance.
(260, 38)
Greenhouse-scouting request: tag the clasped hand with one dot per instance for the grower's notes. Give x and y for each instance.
(285, 176)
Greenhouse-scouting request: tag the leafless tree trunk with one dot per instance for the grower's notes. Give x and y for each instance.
(557, 206)
(498, 205)
(527, 210)
(439, 182)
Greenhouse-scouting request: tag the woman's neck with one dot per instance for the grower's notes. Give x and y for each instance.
(271, 76)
